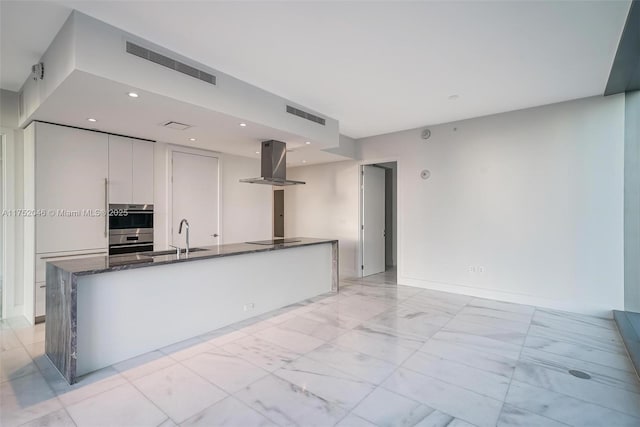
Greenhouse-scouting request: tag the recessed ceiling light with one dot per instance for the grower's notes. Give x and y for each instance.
(257, 152)
(453, 97)
(304, 161)
(308, 142)
(192, 139)
(243, 124)
(91, 120)
(133, 94)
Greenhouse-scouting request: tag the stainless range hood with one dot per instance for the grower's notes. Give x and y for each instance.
(274, 165)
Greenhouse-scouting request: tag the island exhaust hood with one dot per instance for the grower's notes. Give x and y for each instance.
(274, 165)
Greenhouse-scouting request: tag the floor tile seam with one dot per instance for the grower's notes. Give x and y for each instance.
(306, 391)
(637, 381)
(218, 386)
(498, 328)
(379, 385)
(40, 371)
(575, 323)
(466, 364)
(152, 402)
(231, 354)
(287, 349)
(343, 347)
(622, 351)
(576, 317)
(360, 331)
(583, 401)
(493, 318)
(438, 409)
(516, 366)
(173, 362)
(565, 373)
(313, 336)
(455, 385)
(471, 347)
(534, 413)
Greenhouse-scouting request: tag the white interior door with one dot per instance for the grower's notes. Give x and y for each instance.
(373, 243)
(194, 196)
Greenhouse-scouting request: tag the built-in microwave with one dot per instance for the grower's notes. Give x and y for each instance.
(130, 228)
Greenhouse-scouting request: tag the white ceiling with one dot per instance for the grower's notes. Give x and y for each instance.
(84, 96)
(377, 67)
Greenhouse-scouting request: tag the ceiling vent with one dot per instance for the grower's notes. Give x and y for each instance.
(308, 116)
(165, 61)
(176, 125)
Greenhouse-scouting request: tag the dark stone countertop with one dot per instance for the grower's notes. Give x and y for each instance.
(104, 264)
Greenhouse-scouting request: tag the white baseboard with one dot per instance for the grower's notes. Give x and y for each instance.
(570, 306)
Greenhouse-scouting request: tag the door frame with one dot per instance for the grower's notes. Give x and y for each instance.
(273, 210)
(8, 224)
(197, 152)
(399, 216)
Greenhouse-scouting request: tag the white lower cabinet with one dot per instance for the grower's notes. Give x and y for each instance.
(41, 273)
(41, 295)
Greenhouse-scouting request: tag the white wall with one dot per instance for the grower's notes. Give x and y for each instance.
(12, 180)
(632, 202)
(535, 197)
(245, 210)
(327, 207)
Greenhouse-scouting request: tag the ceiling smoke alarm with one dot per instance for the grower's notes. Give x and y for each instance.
(425, 174)
(426, 134)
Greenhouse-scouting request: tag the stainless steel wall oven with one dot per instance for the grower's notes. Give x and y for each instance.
(130, 229)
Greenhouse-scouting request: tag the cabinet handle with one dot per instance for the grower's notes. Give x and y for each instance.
(106, 206)
(66, 256)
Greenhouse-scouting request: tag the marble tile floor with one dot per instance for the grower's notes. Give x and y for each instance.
(375, 354)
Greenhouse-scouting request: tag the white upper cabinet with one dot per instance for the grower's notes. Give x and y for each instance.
(130, 171)
(142, 173)
(71, 172)
(120, 169)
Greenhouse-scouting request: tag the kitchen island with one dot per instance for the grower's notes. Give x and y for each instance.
(106, 309)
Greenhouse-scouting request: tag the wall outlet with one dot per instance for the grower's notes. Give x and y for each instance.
(480, 269)
(250, 306)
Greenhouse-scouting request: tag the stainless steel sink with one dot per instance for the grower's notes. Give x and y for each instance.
(172, 252)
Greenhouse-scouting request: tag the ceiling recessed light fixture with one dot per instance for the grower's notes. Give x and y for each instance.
(243, 124)
(308, 142)
(192, 139)
(133, 94)
(91, 120)
(304, 161)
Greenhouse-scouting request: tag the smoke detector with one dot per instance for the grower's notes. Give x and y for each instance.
(425, 134)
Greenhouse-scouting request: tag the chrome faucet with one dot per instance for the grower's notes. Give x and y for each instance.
(184, 221)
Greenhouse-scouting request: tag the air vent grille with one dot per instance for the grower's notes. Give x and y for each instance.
(165, 61)
(308, 116)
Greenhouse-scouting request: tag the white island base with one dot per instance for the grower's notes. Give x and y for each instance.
(122, 314)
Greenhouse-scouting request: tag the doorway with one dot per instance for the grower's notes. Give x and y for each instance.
(278, 213)
(194, 197)
(379, 219)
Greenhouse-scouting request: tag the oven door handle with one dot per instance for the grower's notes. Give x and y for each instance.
(137, 245)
